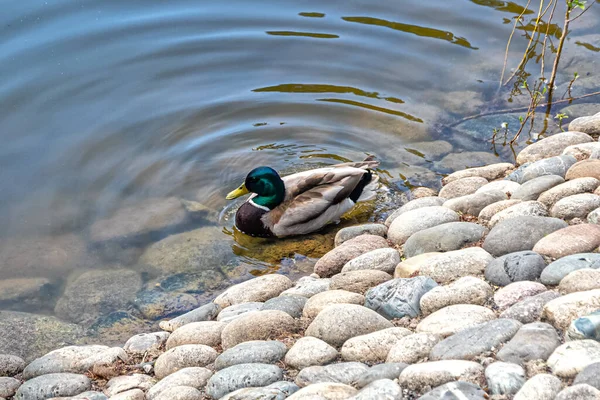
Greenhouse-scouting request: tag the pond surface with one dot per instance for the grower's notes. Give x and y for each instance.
(128, 107)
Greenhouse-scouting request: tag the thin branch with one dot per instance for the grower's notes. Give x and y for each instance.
(587, 8)
(555, 2)
(510, 39)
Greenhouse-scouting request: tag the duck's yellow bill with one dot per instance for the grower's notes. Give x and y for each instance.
(237, 192)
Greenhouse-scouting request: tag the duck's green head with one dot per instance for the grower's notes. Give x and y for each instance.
(266, 183)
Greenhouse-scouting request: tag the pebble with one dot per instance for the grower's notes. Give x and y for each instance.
(540, 387)
(474, 342)
(253, 351)
(561, 311)
(571, 358)
(462, 187)
(558, 165)
(347, 373)
(324, 391)
(412, 348)
(291, 305)
(417, 220)
(380, 389)
(333, 261)
(488, 212)
(188, 355)
(261, 325)
(589, 124)
(575, 206)
(373, 347)
(444, 237)
(530, 309)
(146, 343)
(307, 286)
(133, 394)
(11, 365)
(585, 168)
(8, 386)
(318, 302)
(580, 281)
(180, 393)
(455, 318)
(350, 232)
(53, 385)
(410, 267)
(594, 217)
(573, 239)
(123, 383)
(239, 310)
(519, 234)
(452, 265)
(508, 187)
(551, 146)
(399, 297)
(436, 373)
(589, 375)
(559, 269)
(258, 289)
(532, 189)
(195, 377)
(465, 290)
(430, 201)
(504, 378)
(534, 341)
(381, 259)
(579, 392)
(309, 351)
(275, 391)
(514, 267)
(586, 327)
(358, 281)
(582, 151)
(569, 188)
(455, 391)
(489, 172)
(472, 204)
(242, 376)
(525, 208)
(205, 332)
(515, 292)
(381, 371)
(207, 312)
(340, 322)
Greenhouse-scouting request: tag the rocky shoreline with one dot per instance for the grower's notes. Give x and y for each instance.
(488, 289)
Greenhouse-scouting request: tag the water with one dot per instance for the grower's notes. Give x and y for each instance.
(107, 103)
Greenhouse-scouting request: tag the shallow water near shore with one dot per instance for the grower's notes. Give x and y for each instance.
(126, 109)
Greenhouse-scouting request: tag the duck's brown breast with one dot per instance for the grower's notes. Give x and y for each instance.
(248, 219)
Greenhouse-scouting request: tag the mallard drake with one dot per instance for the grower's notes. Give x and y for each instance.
(304, 202)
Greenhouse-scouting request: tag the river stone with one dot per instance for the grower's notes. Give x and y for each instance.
(449, 266)
(195, 377)
(561, 311)
(26, 293)
(180, 393)
(417, 220)
(206, 312)
(474, 342)
(456, 390)
(275, 391)
(472, 204)
(350, 232)
(358, 281)
(333, 261)
(381, 259)
(380, 371)
(436, 373)
(589, 375)
(133, 394)
(11, 365)
(594, 216)
(258, 289)
(399, 297)
(242, 376)
(532, 189)
(123, 383)
(515, 267)
(569, 188)
(508, 187)
(318, 302)
(463, 160)
(488, 212)
(292, 305)
(515, 292)
(422, 191)
(309, 351)
(575, 206)
(580, 281)
(462, 187)
(261, 325)
(307, 286)
(455, 318)
(444, 237)
(95, 292)
(347, 373)
(558, 165)
(530, 309)
(239, 310)
(535, 341)
(525, 208)
(585, 168)
(430, 201)
(557, 270)
(187, 355)
(411, 266)
(373, 347)
(324, 391)
(584, 151)
(9, 386)
(340, 322)
(205, 332)
(150, 343)
(551, 146)
(579, 392)
(504, 378)
(489, 172)
(586, 327)
(412, 348)
(253, 351)
(574, 239)
(382, 388)
(588, 124)
(53, 385)
(466, 290)
(519, 234)
(572, 357)
(540, 387)
(157, 304)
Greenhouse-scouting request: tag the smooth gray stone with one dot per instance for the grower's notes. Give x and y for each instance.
(532, 189)
(242, 376)
(381, 371)
(255, 351)
(399, 297)
(504, 378)
(444, 237)
(514, 267)
(351, 232)
(275, 391)
(8, 386)
(381, 389)
(346, 372)
(11, 365)
(472, 204)
(535, 341)
(519, 234)
(91, 396)
(558, 165)
(578, 392)
(589, 375)
(207, 312)
(517, 174)
(586, 327)
(53, 385)
(476, 341)
(530, 309)
(292, 305)
(459, 390)
(557, 270)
